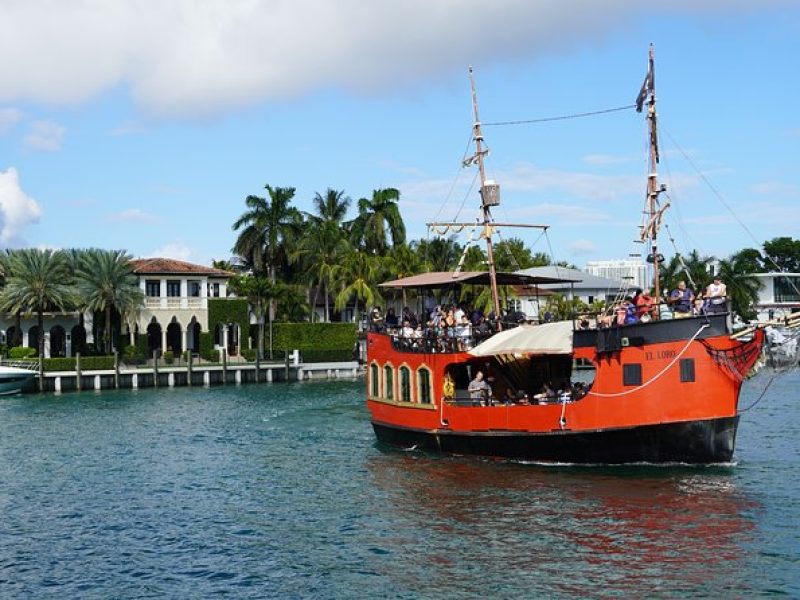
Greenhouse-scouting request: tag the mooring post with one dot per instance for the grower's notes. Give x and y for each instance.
(78, 385)
(116, 369)
(224, 353)
(41, 371)
(155, 368)
(258, 368)
(189, 368)
(286, 368)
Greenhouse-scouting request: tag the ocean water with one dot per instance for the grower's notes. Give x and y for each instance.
(281, 491)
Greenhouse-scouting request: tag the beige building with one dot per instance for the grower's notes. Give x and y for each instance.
(175, 308)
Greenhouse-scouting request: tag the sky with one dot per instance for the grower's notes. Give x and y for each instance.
(143, 125)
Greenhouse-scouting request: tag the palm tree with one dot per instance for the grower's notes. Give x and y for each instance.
(320, 252)
(105, 282)
(259, 291)
(742, 285)
(402, 261)
(376, 218)
(332, 207)
(439, 254)
(357, 277)
(37, 280)
(268, 228)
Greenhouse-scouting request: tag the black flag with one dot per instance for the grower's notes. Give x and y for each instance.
(646, 87)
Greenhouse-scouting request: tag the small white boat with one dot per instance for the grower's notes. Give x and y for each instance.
(13, 379)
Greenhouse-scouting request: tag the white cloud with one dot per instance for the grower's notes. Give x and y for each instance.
(8, 118)
(194, 57)
(582, 247)
(602, 160)
(17, 209)
(127, 128)
(776, 188)
(45, 135)
(132, 215)
(177, 250)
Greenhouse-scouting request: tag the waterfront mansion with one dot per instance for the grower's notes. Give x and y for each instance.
(174, 312)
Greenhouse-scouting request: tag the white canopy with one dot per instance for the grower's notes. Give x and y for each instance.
(549, 338)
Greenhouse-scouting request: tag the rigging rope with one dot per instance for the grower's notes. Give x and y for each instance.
(559, 118)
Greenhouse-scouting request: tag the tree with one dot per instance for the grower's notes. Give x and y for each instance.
(741, 284)
(37, 280)
(332, 207)
(783, 254)
(750, 260)
(105, 281)
(378, 218)
(320, 253)
(267, 230)
(259, 291)
(438, 254)
(357, 279)
(513, 255)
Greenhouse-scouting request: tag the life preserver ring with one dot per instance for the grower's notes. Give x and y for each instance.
(448, 387)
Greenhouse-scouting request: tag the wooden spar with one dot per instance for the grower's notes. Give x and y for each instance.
(487, 215)
(790, 321)
(452, 223)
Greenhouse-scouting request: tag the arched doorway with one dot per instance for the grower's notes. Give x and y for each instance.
(78, 336)
(154, 336)
(11, 337)
(58, 342)
(174, 342)
(33, 337)
(193, 336)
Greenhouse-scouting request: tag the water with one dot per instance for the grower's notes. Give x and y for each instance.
(280, 491)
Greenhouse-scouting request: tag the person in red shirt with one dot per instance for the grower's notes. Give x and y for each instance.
(645, 305)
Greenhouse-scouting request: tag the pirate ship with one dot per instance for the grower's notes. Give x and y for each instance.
(663, 391)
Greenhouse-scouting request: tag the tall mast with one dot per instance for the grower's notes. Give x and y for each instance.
(490, 196)
(653, 210)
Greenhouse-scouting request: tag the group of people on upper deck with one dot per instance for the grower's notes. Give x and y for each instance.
(681, 303)
(447, 327)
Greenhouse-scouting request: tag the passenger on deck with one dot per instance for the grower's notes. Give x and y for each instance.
(376, 319)
(391, 318)
(645, 305)
(479, 390)
(522, 398)
(509, 397)
(681, 300)
(717, 296)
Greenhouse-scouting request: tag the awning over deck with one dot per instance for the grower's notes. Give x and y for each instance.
(440, 279)
(549, 338)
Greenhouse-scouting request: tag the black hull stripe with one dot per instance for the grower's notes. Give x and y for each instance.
(700, 442)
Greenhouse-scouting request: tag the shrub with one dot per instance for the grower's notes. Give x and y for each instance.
(142, 345)
(248, 355)
(132, 355)
(21, 353)
(169, 357)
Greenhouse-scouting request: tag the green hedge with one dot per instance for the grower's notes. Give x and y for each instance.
(207, 351)
(247, 354)
(310, 356)
(142, 346)
(314, 337)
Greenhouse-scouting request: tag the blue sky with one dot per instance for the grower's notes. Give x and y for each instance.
(144, 125)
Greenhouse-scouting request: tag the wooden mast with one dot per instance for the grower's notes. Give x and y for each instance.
(486, 202)
(652, 180)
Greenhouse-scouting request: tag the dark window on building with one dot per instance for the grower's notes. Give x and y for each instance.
(374, 381)
(632, 374)
(173, 288)
(152, 288)
(687, 370)
(405, 384)
(786, 288)
(589, 299)
(194, 289)
(388, 382)
(213, 290)
(424, 382)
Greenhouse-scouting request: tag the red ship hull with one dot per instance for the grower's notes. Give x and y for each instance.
(663, 392)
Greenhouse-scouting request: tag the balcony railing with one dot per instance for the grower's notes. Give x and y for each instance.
(173, 302)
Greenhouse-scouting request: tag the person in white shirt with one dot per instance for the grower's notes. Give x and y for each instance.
(716, 297)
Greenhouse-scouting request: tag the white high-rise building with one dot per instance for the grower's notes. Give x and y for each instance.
(634, 272)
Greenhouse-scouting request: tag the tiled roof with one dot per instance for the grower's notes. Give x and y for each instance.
(170, 266)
